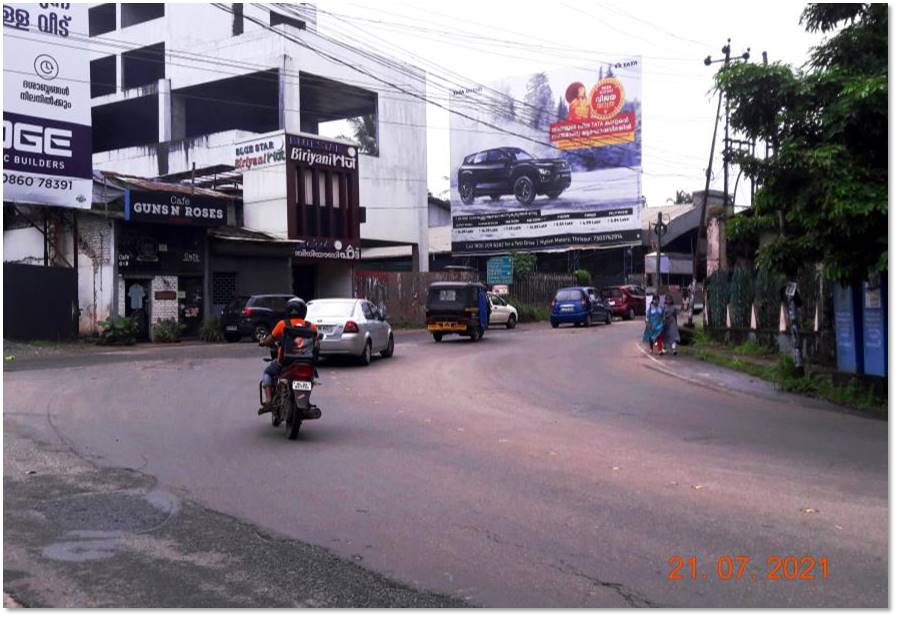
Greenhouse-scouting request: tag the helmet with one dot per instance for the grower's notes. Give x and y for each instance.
(296, 307)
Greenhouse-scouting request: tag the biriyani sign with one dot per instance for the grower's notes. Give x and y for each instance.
(548, 161)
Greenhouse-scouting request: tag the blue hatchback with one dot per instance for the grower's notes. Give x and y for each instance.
(579, 306)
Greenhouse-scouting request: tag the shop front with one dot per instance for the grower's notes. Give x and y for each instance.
(162, 256)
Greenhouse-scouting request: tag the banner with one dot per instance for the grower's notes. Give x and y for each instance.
(47, 150)
(548, 161)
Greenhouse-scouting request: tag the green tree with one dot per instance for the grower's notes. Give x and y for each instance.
(681, 198)
(364, 130)
(825, 183)
(562, 109)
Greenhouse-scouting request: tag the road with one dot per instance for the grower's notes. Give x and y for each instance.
(538, 467)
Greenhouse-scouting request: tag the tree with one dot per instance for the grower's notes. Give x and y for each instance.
(562, 110)
(681, 198)
(825, 185)
(538, 101)
(364, 128)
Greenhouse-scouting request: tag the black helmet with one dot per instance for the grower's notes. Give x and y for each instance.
(296, 307)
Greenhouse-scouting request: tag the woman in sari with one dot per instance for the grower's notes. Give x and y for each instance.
(654, 325)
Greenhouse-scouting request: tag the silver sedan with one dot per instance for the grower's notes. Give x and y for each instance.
(351, 327)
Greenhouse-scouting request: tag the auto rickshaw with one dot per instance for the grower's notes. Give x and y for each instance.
(457, 308)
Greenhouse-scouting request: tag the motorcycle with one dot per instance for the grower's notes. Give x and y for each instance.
(291, 403)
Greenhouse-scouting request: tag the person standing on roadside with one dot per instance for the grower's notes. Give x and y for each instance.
(670, 325)
(654, 325)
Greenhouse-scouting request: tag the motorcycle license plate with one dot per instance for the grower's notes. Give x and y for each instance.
(231, 328)
(304, 386)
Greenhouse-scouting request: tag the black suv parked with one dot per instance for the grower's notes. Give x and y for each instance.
(253, 316)
(511, 171)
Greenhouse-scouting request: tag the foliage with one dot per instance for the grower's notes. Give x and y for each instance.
(582, 277)
(364, 128)
(118, 331)
(562, 110)
(749, 229)
(523, 264)
(751, 348)
(827, 125)
(167, 331)
(741, 297)
(681, 198)
(538, 101)
(211, 331)
(528, 312)
(718, 298)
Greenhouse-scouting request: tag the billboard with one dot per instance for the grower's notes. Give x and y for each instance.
(46, 105)
(548, 161)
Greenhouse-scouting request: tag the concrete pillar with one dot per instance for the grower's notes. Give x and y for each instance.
(164, 88)
(289, 95)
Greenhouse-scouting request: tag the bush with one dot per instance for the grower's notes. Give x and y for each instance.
(211, 331)
(529, 312)
(583, 277)
(167, 331)
(118, 331)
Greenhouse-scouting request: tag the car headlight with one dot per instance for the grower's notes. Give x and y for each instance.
(544, 172)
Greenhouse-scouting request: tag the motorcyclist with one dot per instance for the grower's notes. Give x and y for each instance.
(296, 312)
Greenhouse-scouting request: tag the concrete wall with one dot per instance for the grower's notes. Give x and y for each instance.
(257, 275)
(163, 309)
(264, 200)
(96, 242)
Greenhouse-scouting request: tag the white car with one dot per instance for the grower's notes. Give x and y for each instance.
(352, 327)
(503, 314)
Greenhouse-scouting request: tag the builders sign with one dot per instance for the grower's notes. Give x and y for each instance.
(46, 105)
(548, 161)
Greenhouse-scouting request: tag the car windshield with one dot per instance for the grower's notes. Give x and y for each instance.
(611, 292)
(568, 294)
(521, 155)
(330, 308)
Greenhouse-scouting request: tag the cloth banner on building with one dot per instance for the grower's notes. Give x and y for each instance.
(548, 161)
(46, 105)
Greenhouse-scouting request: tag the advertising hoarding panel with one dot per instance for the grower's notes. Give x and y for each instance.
(548, 161)
(46, 106)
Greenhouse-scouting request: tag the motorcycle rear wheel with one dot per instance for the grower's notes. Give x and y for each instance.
(292, 421)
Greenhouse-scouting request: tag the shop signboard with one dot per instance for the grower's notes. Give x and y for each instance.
(47, 145)
(159, 249)
(260, 152)
(174, 208)
(500, 270)
(324, 248)
(548, 161)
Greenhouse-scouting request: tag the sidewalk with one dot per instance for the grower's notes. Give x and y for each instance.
(722, 379)
(78, 536)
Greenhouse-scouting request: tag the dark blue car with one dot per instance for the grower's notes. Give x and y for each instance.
(579, 306)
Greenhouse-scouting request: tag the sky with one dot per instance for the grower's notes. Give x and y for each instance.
(483, 41)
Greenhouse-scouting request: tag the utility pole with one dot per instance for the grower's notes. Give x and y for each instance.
(702, 223)
(660, 229)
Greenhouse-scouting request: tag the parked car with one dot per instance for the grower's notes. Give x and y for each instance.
(511, 171)
(503, 314)
(625, 301)
(579, 306)
(253, 316)
(352, 327)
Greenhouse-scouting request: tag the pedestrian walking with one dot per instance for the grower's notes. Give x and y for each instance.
(654, 325)
(670, 325)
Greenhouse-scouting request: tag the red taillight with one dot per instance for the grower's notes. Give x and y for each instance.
(351, 327)
(247, 312)
(305, 371)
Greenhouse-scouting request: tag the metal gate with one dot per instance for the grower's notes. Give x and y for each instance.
(39, 302)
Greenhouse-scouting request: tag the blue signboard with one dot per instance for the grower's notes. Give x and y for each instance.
(500, 271)
(875, 328)
(847, 327)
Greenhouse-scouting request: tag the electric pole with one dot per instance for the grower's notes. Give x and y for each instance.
(702, 223)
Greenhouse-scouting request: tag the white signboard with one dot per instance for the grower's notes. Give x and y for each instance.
(46, 105)
(263, 151)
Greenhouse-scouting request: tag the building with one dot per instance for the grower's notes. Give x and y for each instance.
(315, 150)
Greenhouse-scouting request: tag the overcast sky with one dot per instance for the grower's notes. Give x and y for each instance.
(482, 41)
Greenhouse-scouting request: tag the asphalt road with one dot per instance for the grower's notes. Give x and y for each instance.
(538, 467)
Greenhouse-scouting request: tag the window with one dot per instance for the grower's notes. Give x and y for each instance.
(143, 66)
(308, 187)
(133, 13)
(522, 155)
(337, 110)
(480, 158)
(224, 288)
(447, 295)
(567, 295)
(101, 19)
(322, 189)
(366, 309)
(278, 304)
(102, 76)
(336, 182)
(496, 156)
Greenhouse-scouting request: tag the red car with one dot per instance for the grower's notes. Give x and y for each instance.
(625, 301)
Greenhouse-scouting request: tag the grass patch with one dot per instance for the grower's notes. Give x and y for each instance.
(784, 375)
(529, 312)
